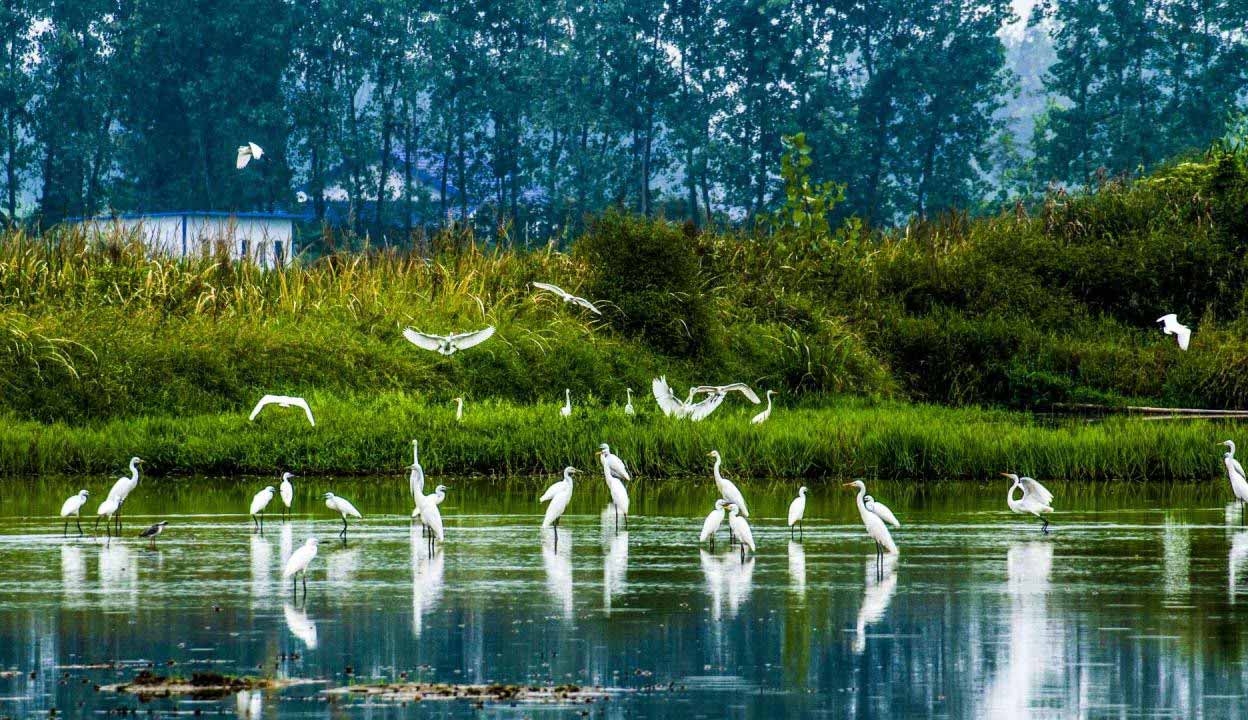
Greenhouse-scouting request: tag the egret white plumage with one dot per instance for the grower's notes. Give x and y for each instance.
(761, 418)
(714, 520)
(558, 495)
(121, 490)
(343, 507)
(287, 491)
(740, 529)
(283, 401)
(687, 408)
(151, 532)
(873, 523)
(881, 510)
(246, 153)
(298, 564)
(431, 516)
(259, 502)
(448, 344)
(436, 497)
(797, 511)
(106, 510)
(566, 410)
(628, 406)
(1035, 499)
(416, 478)
(727, 490)
(615, 473)
(73, 506)
(1170, 325)
(568, 297)
(1235, 473)
(459, 408)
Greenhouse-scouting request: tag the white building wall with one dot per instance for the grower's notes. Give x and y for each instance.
(267, 241)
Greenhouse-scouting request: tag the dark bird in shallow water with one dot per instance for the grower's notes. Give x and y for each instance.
(153, 531)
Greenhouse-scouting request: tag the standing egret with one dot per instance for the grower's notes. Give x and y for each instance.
(107, 510)
(1235, 472)
(123, 487)
(713, 521)
(882, 510)
(153, 531)
(615, 473)
(431, 517)
(559, 495)
(448, 344)
(1170, 325)
(628, 405)
(727, 489)
(73, 506)
(1035, 498)
(259, 502)
(874, 525)
(459, 409)
(416, 478)
(343, 507)
(436, 498)
(287, 491)
(298, 563)
(797, 512)
(740, 529)
(568, 297)
(283, 401)
(566, 410)
(761, 418)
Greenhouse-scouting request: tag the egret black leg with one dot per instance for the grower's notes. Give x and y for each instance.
(791, 530)
(801, 529)
(1045, 527)
(344, 526)
(78, 522)
(555, 526)
(305, 586)
(617, 521)
(65, 531)
(712, 543)
(95, 530)
(261, 523)
(294, 587)
(743, 551)
(255, 524)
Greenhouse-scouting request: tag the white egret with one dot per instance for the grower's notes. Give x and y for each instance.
(882, 510)
(712, 523)
(568, 297)
(628, 406)
(1034, 500)
(107, 510)
(566, 410)
(436, 497)
(874, 525)
(459, 408)
(559, 495)
(727, 489)
(615, 473)
(797, 512)
(1170, 325)
(1235, 473)
(416, 478)
(431, 516)
(259, 502)
(151, 532)
(246, 153)
(761, 418)
(448, 344)
(740, 529)
(122, 489)
(73, 506)
(343, 507)
(298, 563)
(667, 400)
(283, 401)
(287, 492)
(715, 395)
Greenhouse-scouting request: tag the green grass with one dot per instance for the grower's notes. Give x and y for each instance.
(846, 438)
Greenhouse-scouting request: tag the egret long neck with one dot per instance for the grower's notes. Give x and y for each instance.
(718, 478)
(134, 471)
(862, 506)
(768, 402)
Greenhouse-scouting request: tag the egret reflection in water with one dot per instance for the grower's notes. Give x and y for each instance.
(300, 625)
(1029, 652)
(427, 576)
(119, 577)
(73, 572)
(248, 704)
(614, 569)
(881, 583)
(1236, 562)
(797, 569)
(261, 568)
(558, 567)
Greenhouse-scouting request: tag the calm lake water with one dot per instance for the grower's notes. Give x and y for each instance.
(1136, 605)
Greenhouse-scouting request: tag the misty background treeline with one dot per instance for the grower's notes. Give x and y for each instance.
(386, 115)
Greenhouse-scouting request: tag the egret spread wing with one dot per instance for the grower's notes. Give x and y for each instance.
(1184, 336)
(744, 390)
(664, 396)
(704, 408)
(266, 400)
(1036, 490)
(423, 340)
(586, 304)
(552, 288)
(256, 150)
(244, 157)
(301, 403)
(463, 341)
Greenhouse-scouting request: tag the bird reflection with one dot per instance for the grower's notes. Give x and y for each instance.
(1030, 647)
(427, 572)
(558, 564)
(300, 625)
(73, 572)
(118, 575)
(247, 704)
(713, 571)
(1236, 560)
(797, 569)
(729, 579)
(881, 584)
(614, 568)
(1176, 544)
(341, 565)
(285, 544)
(261, 559)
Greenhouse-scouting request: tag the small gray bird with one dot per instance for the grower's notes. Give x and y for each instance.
(153, 531)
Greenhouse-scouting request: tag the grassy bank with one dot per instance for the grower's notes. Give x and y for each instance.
(847, 438)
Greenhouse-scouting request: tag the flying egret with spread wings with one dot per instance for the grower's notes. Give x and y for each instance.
(246, 153)
(673, 406)
(1235, 472)
(283, 401)
(1035, 499)
(1170, 325)
(568, 297)
(448, 344)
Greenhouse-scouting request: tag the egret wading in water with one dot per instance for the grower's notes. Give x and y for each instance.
(740, 529)
(283, 401)
(298, 565)
(120, 491)
(1034, 500)
(73, 506)
(615, 473)
(797, 512)
(882, 511)
(874, 525)
(107, 510)
(153, 531)
(435, 498)
(259, 502)
(558, 495)
(566, 410)
(431, 517)
(416, 478)
(727, 490)
(761, 418)
(628, 405)
(714, 520)
(343, 507)
(287, 491)
(1170, 325)
(459, 409)
(1235, 473)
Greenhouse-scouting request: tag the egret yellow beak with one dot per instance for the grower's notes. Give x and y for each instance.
(847, 484)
